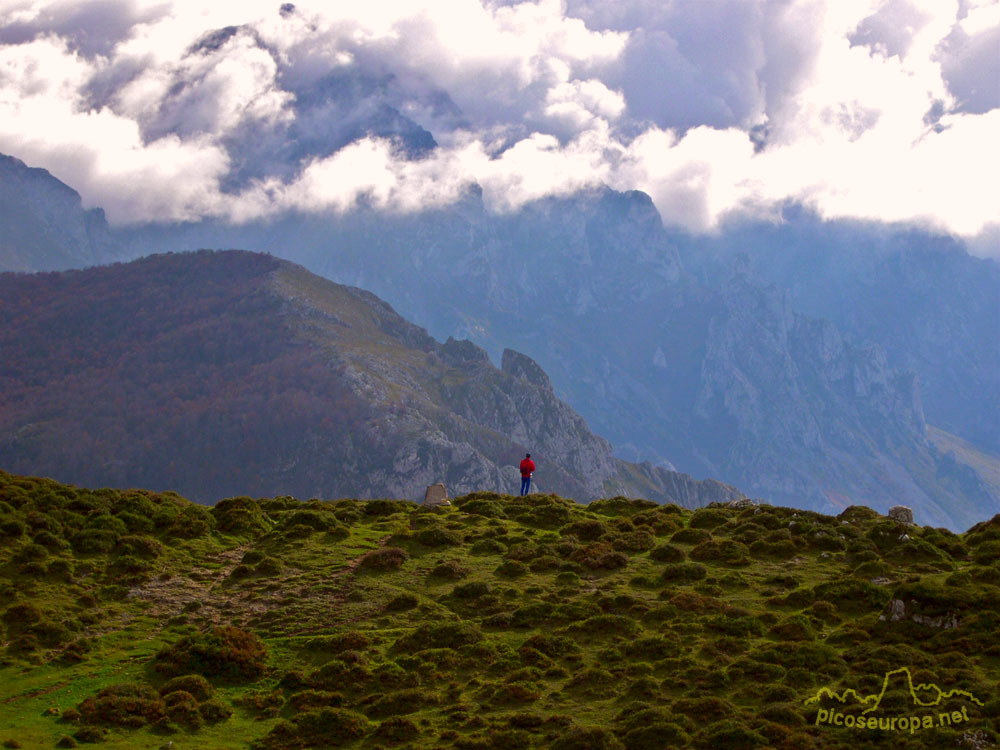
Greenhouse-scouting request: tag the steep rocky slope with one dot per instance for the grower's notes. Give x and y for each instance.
(232, 373)
(934, 308)
(45, 227)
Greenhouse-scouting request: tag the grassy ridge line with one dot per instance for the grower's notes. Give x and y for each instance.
(500, 622)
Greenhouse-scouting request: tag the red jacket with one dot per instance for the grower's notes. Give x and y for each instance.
(527, 467)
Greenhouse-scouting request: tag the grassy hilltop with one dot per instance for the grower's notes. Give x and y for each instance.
(136, 619)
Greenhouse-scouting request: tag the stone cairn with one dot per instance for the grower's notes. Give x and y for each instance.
(436, 495)
(902, 514)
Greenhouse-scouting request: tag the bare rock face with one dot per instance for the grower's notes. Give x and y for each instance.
(902, 514)
(518, 365)
(437, 494)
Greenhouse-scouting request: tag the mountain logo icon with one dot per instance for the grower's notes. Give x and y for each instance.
(923, 694)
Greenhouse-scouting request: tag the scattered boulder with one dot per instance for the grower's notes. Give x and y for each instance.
(436, 495)
(740, 503)
(900, 610)
(902, 514)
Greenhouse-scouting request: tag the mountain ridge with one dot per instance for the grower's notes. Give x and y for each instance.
(199, 371)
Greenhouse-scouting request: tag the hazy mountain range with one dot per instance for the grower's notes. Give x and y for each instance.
(702, 363)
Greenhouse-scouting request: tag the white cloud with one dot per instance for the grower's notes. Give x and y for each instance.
(881, 109)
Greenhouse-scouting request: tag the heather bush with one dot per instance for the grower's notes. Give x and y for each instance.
(633, 541)
(240, 515)
(667, 553)
(438, 536)
(585, 531)
(125, 705)
(325, 727)
(488, 547)
(691, 536)
(396, 729)
(587, 738)
(450, 570)
(384, 559)
(310, 699)
(225, 652)
(194, 684)
(685, 572)
(448, 635)
(512, 569)
(621, 506)
(708, 518)
(721, 550)
(402, 603)
(600, 555)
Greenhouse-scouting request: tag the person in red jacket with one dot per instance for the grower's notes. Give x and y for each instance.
(527, 469)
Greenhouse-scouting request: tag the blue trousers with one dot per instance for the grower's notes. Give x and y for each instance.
(525, 485)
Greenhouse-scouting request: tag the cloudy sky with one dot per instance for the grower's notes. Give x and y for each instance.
(166, 110)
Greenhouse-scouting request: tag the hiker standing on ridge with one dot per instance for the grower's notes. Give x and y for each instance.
(527, 469)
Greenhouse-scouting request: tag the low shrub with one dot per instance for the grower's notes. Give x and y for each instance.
(708, 518)
(585, 531)
(633, 541)
(384, 559)
(451, 570)
(621, 506)
(240, 515)
(226, 652)
(194, 684)
(602, 625)
(125, 705)
(691, 536)
(656, 737)
(448, 635)
(402, 603)
(396, 729)
(488, 547)
(351, 640)
(667, 553)
(398, 703)
(90, 734)
(721, 550)
(321, 728)
(512, 569)
(264, 703)
(599, 555)
(438, 536)
(310, 699)
(214, 710)
(795, 628)
(471, 590)
(587, 738)
(182, 709)
(686, 572)
(380, 508)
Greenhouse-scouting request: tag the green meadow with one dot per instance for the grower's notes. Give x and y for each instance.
(135, 619)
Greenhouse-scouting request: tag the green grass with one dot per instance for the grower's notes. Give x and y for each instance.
(564, 623)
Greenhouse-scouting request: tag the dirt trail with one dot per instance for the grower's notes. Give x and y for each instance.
(169, 597)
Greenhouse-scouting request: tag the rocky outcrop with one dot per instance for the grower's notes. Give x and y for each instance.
(518, 365)
(901, 610)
